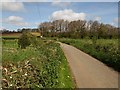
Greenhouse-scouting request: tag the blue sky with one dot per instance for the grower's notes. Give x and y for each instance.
(29, 14)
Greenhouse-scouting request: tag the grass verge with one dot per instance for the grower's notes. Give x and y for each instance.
(38, 66)
(105, 50)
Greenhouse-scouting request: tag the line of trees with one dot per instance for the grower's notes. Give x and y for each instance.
(6, 31)
(73, 29)
(78, 29)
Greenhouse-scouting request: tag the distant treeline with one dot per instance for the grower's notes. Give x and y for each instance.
(78, 29)
(73, 29)
(6, 31)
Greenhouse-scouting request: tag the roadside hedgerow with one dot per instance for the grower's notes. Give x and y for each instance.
(105, 50)
(41, 65)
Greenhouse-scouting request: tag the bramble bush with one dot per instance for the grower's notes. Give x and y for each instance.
(24, 40)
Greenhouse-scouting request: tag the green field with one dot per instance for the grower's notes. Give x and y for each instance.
(105, 50)
(38, 66)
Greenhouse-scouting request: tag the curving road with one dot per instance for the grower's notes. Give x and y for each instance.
(89, 72)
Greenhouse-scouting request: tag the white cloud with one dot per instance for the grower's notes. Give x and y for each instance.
(13, 6)
(68, 15)
(116, 20)
(15, 20)
(61, 0)
(37, 23)
(97, 18)
(2, 28)
(60, 4)
(8, 0)
(35, 1)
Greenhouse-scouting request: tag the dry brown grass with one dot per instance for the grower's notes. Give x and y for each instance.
(11, 34)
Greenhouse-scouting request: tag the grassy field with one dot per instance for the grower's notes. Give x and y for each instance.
(11, 35)
(17, 35)
(105, 50)
(38, 66)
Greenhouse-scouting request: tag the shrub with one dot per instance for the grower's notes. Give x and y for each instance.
(24, 40)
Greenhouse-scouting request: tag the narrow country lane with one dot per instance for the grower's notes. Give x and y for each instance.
(89, 72)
